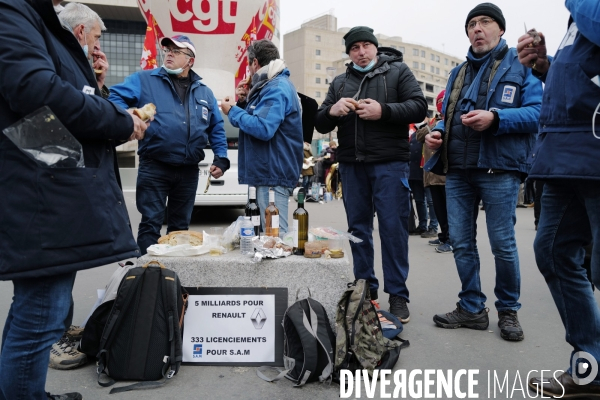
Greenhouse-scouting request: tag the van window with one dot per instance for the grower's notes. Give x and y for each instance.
(231, 132)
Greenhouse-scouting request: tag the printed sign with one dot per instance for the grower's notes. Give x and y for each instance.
(508, 94)
(234, 326)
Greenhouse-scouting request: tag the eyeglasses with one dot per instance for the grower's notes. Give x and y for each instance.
(483, 22)
(175, 52)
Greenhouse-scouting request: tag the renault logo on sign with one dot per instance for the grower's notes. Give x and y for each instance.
(258, 318)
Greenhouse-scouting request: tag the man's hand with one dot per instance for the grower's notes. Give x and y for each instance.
(369, 109)
(100, 66)
(226, 105)
(242, 90)
(215, 171)
(344, 106)
(533, 56)
(139, 127)
(478, 120)
(433, 140)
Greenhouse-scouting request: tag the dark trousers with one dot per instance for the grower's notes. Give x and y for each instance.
(438, 195)
(156, 183)
(537, 205)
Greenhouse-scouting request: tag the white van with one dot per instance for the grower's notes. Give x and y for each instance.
(225, 191)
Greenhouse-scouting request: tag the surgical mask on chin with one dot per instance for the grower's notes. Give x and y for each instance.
(173, 71)
(364, 69)
(85, 50)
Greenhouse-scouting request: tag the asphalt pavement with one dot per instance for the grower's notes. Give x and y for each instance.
(433, 283)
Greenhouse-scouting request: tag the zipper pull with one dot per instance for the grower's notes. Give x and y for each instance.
(490, 171)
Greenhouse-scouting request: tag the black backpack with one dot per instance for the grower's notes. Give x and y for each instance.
(307, 343)
(142, 338)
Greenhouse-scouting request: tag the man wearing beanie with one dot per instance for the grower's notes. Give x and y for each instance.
(490, 111)
(372, 103)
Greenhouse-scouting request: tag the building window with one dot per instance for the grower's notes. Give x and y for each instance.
(432, 57)
(429, 100)
(317, 66)
(429, 87)
(317, 80)
(445, 61)
(317, 94)
(437, 71)
(416, 64)
(432, 69)
(423, 54)
(437, 58)
(317, 52)
(447, 72)
(401, 49)
(423, 66)
(415, 52)
(393, 47)
(317, 38)
(123, 44)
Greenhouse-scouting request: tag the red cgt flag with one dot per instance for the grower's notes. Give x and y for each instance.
(148, 60)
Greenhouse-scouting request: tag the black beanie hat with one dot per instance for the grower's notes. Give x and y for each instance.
(359, 34)
(489, 10)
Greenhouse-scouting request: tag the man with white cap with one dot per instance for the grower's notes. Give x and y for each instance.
(187, 118)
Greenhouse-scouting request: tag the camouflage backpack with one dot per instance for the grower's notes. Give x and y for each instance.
(360, 343)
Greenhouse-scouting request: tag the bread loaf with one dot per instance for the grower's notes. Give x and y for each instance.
(182, 237)
(145, 113)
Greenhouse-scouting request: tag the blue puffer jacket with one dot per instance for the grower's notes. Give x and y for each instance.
(270, 144)
(57, 220)
(175, 136)
(516, 95)
(566, 147)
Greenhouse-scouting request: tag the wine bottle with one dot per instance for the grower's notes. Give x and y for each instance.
(252, 210)
(272, 217)
(300, 225)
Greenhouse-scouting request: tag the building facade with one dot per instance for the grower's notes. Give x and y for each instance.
(315, 53)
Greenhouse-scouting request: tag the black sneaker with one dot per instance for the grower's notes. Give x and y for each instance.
(430, 233)
(460, 318)
(435, 242)
(399, 308)
(66, 396)
(510, 328)
(417, 232)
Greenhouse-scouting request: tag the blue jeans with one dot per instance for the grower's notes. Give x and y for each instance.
(569, 221)
(418, 192)
(35, 321)
(433, 222)
(499, 193)
(306, 180)
(156, 182)
(282, 197)
(380, 187)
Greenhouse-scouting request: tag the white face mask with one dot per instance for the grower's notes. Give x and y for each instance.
(173, 71)
(86, 50)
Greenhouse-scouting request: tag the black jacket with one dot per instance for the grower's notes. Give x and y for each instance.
(56, 220)
(393, 85)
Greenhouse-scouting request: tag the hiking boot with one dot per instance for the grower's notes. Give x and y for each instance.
(76, 332)
(510, 328)
(444, 248)
(66, 396)
(460, 318)
(64, 354)
(435, 242)
(399, 308)
(430, 233)
(563, 387)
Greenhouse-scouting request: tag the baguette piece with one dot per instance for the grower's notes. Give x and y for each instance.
(182, 237)
(145, 113)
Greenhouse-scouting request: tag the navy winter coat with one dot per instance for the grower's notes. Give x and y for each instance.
(56, 220)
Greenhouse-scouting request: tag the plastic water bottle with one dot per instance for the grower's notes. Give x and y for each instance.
(246, 235)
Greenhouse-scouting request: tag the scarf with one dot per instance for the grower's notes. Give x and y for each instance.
(265, 74)
(470, 100)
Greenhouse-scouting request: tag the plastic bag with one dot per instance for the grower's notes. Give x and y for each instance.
(181, 250)
(231, 236)
(43, 138)
(331, 233)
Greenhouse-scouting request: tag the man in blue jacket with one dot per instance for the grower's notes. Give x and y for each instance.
(566, 158)
(53, 221)
(491, 111)
(270, 121)
(187, 119)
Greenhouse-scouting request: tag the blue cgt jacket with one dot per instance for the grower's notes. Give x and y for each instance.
(566, 146)
(271, 140)
(179, 132)
(57, 220)
(516, 95)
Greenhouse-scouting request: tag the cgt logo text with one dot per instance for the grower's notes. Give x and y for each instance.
(460, 384)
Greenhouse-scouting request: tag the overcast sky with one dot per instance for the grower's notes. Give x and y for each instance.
(435, 23)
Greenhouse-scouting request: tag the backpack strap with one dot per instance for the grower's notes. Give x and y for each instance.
(319, 321)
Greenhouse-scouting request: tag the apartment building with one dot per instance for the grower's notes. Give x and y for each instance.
(315, 53)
